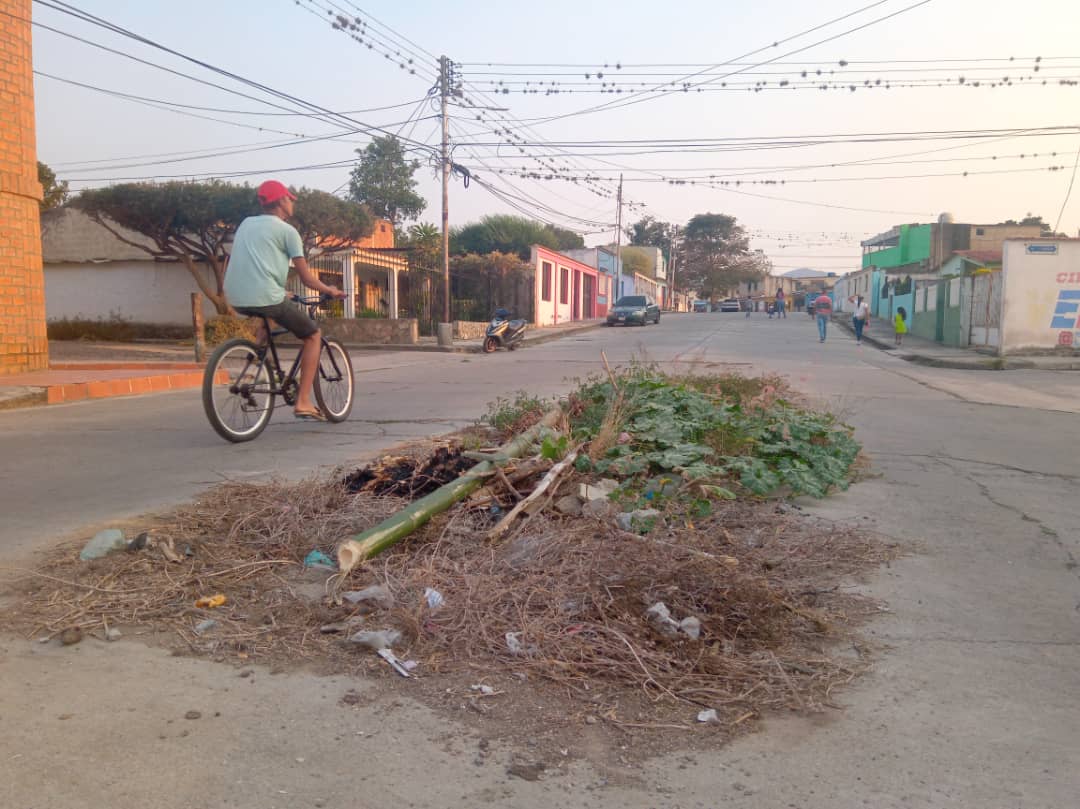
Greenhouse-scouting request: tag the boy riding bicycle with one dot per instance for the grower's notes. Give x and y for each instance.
(255, 282)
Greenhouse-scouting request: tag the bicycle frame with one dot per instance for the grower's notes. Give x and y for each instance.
(279, 380)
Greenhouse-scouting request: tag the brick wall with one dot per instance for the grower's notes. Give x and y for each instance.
(23, 345)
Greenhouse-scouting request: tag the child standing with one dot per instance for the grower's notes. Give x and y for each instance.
(901, 324)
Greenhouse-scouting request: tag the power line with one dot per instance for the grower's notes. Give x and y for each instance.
(357, 30)
(644, 96)
(621, 65)
(317, 112)
(133, 97)
(214, 174)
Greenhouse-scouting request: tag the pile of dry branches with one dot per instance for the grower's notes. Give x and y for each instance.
(561, 598)
(567, 599)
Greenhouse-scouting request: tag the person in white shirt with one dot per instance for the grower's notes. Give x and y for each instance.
(860, 316)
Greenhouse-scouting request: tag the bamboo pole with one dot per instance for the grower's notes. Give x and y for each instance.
(392, 530)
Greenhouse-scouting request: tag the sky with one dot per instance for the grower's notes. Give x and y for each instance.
(817, 170)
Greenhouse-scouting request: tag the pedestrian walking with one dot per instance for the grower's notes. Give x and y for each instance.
(748, 305)
(900, 324)
(781, 303)
(823, 311)
(859, 317)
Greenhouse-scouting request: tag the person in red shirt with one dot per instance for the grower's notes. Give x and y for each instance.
(823, 311)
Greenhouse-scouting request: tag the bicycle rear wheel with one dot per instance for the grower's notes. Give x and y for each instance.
(237, 393)
(334, 382)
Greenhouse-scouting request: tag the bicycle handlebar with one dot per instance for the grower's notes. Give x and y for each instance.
(314, 300)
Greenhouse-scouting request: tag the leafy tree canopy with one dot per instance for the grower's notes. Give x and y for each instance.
(636, 260)
(652, 232)
(189, 222)
(328, 222)
(193, 222)
(1030, 219)
(425, 239)
(511, 234)
(56, 193)
(383, 180)
(717, 255)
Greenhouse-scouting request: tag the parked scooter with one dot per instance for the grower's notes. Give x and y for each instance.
(503, 332)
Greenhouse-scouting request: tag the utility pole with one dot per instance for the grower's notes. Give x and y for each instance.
(671, 280)
(446, 89)
(618, 239)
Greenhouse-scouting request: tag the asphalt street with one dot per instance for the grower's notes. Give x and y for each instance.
(975, 701)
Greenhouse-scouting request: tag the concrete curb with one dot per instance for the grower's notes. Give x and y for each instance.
(987, 363)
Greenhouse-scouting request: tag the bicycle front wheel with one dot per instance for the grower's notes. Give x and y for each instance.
(237, 393)
(334, 382)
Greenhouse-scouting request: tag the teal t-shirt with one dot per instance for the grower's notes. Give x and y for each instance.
(259, 262)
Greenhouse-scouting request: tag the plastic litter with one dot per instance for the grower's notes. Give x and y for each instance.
(378, 596)
(516, 647)
(103, 543)
(381, 639)
(395, 664)
(708, 716)
(485, 690)
(601, 490)
(691, 627)
(113, 634)
(317, 558)
(205, 626)
(659, 618)
(434, 598)
(140, 542)
(211, 602)
(637, 519)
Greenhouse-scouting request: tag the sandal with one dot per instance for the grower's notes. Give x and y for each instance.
(309, 415)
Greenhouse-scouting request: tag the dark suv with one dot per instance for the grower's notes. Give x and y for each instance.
(634, 309)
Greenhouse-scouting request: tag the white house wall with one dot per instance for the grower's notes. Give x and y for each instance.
(141, 291)
(1041, 296)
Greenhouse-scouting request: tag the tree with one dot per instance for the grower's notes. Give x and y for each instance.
(716, 255)
(56, 193)
(652, 232)
(566, 239)
(187, 222)
(327, 222)
(484, 282)
(425, 239)
(192, 223)
(505, 233)
(1031, 219)
(383, 180)
(635, 260)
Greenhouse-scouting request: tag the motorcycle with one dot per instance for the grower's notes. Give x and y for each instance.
(503, 332)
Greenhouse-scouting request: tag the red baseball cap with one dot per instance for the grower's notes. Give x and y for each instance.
(271, 191)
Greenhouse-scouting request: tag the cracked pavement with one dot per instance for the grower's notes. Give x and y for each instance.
(974, 701)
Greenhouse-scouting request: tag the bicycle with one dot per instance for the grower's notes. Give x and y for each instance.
(242, 381)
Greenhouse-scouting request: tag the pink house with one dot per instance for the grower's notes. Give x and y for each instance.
(566, 289)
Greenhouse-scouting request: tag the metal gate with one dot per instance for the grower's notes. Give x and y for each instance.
(986, 309)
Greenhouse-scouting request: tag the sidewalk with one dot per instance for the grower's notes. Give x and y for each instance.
(81, 370)
(534, 335)
(919, 350)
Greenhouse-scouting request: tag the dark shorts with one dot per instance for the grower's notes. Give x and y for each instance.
(286, 315)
